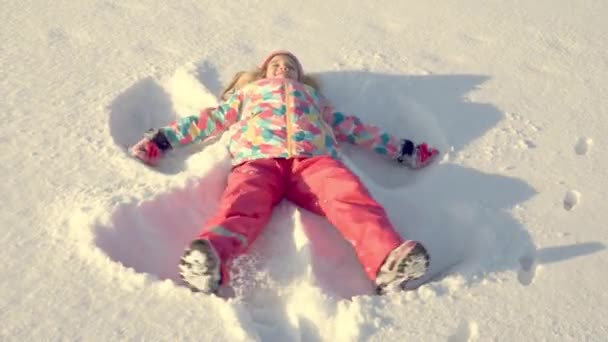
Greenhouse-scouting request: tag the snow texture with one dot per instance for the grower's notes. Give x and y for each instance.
(513, 93)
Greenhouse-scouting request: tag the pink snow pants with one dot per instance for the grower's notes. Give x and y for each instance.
(322, 185)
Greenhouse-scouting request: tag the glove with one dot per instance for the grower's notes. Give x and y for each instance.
(416, 156)
(151, 148)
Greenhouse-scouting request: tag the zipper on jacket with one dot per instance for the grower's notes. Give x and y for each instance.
(288, 123)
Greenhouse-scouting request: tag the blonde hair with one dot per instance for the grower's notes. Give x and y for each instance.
(242, 78)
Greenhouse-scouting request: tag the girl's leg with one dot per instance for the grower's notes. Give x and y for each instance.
(325, 186)
(253, 189)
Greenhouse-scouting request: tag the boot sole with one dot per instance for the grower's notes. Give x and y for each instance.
(199, 267)
(409, 264)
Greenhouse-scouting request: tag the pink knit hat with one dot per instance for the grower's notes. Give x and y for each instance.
(286, 53)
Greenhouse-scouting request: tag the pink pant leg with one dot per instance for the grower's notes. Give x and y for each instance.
(253, 189)
(327, 187)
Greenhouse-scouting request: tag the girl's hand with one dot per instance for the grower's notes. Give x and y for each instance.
(416, 156)
(146, 151)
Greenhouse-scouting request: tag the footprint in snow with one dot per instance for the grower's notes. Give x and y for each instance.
(468, 331)
(527, 272)
(583, 146)
(572, 199)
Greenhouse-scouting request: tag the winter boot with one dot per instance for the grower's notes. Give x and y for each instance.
(199, 267)
(407, 262)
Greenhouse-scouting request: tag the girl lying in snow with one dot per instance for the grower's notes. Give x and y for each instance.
(284, 144)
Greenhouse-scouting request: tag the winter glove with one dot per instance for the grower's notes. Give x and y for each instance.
(416, 156)
(151, 147)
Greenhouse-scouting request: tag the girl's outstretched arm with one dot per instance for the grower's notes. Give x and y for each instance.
(349, 128)
(208, 123)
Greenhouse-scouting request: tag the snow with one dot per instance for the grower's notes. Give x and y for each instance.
(513, 92)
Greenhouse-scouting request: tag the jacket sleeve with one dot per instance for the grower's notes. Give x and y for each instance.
(208, 123)
(349, 128)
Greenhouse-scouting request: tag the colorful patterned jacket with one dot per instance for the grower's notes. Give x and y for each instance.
(280, 118)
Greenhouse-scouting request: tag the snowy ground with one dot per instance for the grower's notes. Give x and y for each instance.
(514, 93)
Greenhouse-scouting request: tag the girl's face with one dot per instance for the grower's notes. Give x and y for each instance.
(282, 66)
